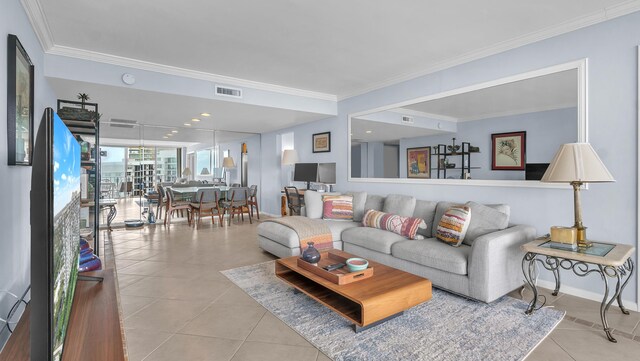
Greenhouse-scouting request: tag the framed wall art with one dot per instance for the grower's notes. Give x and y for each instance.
(419, 162)
(322, 142)
(508, 151)
(19, 104)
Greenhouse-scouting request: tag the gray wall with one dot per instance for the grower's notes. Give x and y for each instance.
(15, 181)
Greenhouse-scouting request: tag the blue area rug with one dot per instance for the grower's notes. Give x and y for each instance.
(447, 327)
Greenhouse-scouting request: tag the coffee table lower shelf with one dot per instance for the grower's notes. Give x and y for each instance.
(366, 311)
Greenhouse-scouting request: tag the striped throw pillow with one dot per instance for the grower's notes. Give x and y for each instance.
(453, 225)
(404, 226)
(338, 207)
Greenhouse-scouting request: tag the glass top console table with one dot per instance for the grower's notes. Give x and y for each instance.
(609, 260)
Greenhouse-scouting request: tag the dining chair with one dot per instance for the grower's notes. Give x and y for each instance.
(237, 203)
(207, 204)
(174, 205)
(295, 201)
(162, 198)
(253, 200)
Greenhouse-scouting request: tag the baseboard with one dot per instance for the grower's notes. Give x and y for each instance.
(593, 296)
(271, 214)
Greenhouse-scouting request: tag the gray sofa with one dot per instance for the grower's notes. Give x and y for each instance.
(485, 267)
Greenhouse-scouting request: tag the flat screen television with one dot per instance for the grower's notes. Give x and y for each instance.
(535, 171)
(55, 235)
(305, 172)
(327, 173)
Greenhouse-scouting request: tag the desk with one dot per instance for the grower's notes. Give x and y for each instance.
(609, 260)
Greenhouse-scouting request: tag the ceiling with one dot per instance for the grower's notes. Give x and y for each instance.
(333, 46)
(363, 131)
(324, 49)
(172, 111)
(547, 92)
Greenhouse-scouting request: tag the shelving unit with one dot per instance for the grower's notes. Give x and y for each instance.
(443, 154)
(82, 119)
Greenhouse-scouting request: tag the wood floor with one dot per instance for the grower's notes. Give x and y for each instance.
(177, 306)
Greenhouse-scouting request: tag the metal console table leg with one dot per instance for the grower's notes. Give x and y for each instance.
(622, 274)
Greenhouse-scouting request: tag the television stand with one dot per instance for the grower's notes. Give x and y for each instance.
(90, 278)
(94, 332)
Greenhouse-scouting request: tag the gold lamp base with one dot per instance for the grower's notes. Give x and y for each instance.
(582, 238)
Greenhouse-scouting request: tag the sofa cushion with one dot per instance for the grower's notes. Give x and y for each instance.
(427, 211)
(279, 233)
(371, 238)
(486, 219)
(404, 226)
(399, 204)
(453, 225)
(440, 209)
(359, 200)
(337, 227)
(313, 203)
(337, 207)
(432, 253)
(374, 202)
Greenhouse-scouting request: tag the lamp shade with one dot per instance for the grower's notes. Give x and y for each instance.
(186, 172)
(290, 156)
(228, 163)
(576, 162)
(205, 171)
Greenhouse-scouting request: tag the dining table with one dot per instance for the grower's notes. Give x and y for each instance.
(189, 192)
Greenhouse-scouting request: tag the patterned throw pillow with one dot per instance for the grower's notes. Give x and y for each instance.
(337, 207)
(453, 225)
(404, 226)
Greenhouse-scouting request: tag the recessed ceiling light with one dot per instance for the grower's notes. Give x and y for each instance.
(205, 114)
(195, 120)
(165, 137)
(169, 135)
(369, 131)
(187, 124)
(174, 131)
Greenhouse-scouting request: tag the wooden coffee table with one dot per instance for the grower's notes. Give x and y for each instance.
(366, 303)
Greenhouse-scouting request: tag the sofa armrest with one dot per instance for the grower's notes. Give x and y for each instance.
(495, 262)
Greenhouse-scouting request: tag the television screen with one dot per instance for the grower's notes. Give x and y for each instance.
(305, 172)
(55, 234)
(535, 171)
(327, 173)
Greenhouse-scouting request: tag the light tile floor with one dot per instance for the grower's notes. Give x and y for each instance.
(177, 306)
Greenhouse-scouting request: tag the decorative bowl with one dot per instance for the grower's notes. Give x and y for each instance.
(357, 264)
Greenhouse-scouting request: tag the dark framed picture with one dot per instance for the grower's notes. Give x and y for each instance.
(419, 162)
(19, 104)
(322, 142)
(508, 151)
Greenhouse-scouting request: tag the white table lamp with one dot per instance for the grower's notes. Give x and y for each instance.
(289, 157)
(576, 164)
(228, 164)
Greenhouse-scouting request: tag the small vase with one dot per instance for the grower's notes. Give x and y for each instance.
(311, 254)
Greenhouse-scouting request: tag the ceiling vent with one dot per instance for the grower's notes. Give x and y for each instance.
(122, 123)
(407, 120)
(228, 92)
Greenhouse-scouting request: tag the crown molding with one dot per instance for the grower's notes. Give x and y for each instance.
(38, 22)
(566, 27)
(172, 70)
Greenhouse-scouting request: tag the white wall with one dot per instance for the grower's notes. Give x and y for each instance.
(15, 181)
(609, 210)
